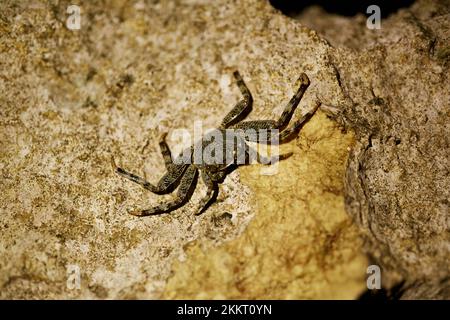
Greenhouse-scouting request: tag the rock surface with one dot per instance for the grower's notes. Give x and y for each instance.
(299, 245)
(71, 99)
(396, 82)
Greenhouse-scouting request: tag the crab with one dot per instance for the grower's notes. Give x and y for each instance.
(183, 173)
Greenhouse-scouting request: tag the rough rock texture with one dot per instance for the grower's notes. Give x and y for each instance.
(300, 244)
(71, 99)
(396, 82)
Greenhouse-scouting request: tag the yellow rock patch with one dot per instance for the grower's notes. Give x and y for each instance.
(300, 245)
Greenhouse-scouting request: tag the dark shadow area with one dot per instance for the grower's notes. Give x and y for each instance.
(383, 295)
(344, 8)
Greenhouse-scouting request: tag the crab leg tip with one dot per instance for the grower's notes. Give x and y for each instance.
(113, 163)
(136, 213)
(163, 136)
(304, 80)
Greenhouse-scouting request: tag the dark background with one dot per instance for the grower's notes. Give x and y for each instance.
(342, 7)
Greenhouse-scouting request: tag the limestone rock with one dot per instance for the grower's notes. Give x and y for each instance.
(396, 82)
(71, 99)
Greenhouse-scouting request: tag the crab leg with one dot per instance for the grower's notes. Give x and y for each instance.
(252, 154)
(243, 107)
(168, 182)
(285, 117)
(185, 191)
(165, 150)
(211, 193)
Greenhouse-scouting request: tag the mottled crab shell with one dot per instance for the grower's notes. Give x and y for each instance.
(219, 149)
